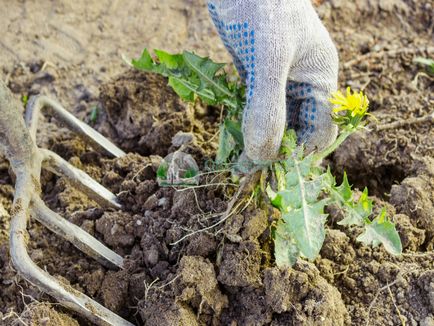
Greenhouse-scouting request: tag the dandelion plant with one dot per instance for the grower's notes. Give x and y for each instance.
(303, 188)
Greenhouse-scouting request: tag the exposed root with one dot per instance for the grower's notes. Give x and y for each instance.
(230, 210)
(149, 286)
(405, 123)
(387, 287)
(401, 318)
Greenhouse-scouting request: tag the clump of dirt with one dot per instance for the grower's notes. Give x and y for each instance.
(144, 113)
(301, 296)
(40, 314)
(415, 197)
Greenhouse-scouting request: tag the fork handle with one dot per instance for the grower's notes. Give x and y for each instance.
(15, 140)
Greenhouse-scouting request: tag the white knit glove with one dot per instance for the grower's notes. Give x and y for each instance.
(290, 66)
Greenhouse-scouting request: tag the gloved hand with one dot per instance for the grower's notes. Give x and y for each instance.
(290, 66)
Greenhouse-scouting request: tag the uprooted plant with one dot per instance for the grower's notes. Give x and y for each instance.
(303, 188)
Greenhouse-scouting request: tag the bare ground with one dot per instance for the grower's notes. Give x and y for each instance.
(71, 51)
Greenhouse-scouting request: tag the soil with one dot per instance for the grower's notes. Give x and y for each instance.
(225, 275)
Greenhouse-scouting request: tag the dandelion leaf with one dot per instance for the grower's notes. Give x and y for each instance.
(345, 189)
(382, 231)
(170, 61)
(145, 62)
(184, 90)
(206, 69)
(189, 75)
(227, 144)
(357, 213)
(306, 227)
(285, 249)
(234, 128)
(303, 212)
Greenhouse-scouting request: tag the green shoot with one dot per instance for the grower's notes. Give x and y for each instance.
(24, 99)
(428, 63)
(93, 116)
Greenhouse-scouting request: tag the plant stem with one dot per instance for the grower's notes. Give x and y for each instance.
(341, 138)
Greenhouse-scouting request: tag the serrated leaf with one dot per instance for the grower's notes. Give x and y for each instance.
(171, 61)
(191, 75)
(301, 209)
(182, 86)
(285, 249)
(382, 231)
(206, 70)
(145, 61)
(306, 227)
(357, 213)
(345, 189)
(184, 91)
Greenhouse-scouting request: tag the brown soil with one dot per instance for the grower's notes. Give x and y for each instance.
(226, 275)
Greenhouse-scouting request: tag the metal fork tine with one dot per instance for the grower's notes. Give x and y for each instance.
(74, 234)
(44, 104)
(80, 179)
(64, 294)
(25, 159)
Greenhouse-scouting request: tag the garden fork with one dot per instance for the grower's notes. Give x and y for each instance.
(26, 160)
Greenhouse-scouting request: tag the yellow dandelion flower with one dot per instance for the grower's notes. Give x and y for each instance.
(355, 103)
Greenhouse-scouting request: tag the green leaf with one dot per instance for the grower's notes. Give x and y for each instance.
(184, 90)
(93, 117)
(306, 227)
(145, 62)
(429, 63)
(305, 166)
(280, 176)
(275, 199)
(190, 173)
(291, 178)
(285, 249)
(206, 70)
(234, 129)
(382, 231)
(357, 213)
(303, 212)
(226, 145)
(171, 61)
(192, 77)
(24, 99)
(345, 189)
(289, 142)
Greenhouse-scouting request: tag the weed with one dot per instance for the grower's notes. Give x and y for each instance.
(304, 188)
